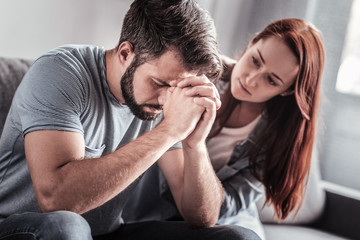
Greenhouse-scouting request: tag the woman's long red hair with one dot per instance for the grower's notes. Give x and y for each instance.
(290, 131)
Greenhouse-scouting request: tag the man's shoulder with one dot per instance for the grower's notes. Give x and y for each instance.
(80, 61)
(73, 52)
(66, 67)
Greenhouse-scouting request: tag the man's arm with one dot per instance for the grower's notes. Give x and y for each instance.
(196, 189)
(64, 180)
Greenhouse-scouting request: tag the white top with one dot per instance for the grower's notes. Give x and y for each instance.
(221, 146)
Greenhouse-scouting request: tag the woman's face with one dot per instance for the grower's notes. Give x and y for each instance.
(266, 69)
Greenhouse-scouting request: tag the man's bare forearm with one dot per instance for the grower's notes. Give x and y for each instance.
(84, 184)
(203, 192)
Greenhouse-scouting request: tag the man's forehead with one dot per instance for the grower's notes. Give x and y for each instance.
(166, 79)
(169, 66)
(164, 75)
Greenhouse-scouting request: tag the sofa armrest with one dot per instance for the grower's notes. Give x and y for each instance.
(12, 71)
(341, 213)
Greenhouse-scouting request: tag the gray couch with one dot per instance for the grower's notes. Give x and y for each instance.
(338, 219)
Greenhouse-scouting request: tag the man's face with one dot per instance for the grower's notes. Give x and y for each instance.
(142, 86)
(127, 88)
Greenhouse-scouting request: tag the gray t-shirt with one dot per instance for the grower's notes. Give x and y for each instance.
(66, 89)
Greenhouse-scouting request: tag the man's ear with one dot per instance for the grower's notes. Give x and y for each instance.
(125, 53)
(287, 93)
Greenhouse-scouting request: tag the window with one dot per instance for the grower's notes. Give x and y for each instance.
(339, 138)
(348, 79)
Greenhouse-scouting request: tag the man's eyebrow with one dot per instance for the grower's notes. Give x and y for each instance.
(263, 60)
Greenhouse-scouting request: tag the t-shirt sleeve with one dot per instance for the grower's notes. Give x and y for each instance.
(52, 95)
(176, 146)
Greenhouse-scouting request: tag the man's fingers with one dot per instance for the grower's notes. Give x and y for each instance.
(208, 91)
(193, 81)
(203, 91)
(207, 103)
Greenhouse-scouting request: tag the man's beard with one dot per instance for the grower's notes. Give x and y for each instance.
(127, 88)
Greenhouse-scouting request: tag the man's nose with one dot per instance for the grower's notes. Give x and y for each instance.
(163, 96)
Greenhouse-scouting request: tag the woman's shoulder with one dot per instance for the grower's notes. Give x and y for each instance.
(259, 127)
(228, 66)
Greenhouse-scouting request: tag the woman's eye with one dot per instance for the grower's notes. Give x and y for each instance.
(271, 82)
(255, 61)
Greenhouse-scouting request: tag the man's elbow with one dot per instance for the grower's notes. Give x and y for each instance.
(47, 203)
(203, 222)
(51, 200)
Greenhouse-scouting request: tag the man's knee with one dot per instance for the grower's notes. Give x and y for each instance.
(61, 225)
(234, 232)
(65, 225)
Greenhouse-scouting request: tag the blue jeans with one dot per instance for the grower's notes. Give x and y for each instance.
(40, 226)
(63, 225)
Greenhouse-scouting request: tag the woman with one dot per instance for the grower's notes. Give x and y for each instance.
(265, 129)
(263, 136)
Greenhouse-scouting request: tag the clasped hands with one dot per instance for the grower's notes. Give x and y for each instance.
(190, 106)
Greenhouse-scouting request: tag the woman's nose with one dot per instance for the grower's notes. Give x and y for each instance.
(251, 80)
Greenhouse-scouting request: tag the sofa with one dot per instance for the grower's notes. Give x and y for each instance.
(328, 212)
(325, 213)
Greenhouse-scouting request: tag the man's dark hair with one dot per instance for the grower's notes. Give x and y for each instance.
(155, 26)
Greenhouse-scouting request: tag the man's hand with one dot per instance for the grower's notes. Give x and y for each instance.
(190, 106)
(180, 112)
(204, 94)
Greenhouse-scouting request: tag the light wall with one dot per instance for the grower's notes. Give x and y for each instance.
(29, 28)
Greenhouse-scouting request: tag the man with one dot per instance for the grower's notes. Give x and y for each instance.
(86, 123)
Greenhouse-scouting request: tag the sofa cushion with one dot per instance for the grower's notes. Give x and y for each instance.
(293, 232)
(313, 203)
(12, 71)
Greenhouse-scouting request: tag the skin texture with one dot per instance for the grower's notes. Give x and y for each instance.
(61, 176)
(266, 69)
